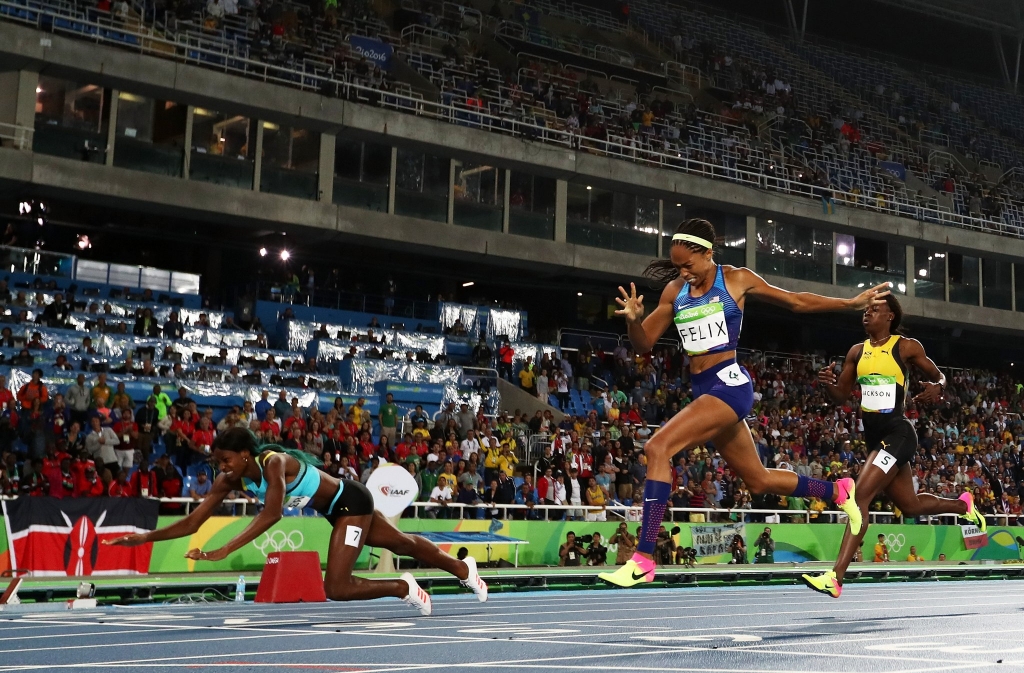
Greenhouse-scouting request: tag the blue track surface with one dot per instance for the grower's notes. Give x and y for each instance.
(873, 628)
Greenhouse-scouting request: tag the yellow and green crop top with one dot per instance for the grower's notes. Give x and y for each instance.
(882, 376)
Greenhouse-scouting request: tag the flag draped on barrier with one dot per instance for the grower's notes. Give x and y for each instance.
(50, 536)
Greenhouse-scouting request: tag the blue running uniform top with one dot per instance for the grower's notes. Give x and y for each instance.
(710, 323)
(297, 493)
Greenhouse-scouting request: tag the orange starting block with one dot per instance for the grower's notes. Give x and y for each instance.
(291, 577)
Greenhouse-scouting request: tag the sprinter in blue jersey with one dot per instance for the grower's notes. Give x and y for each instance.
(704, 301)
(286, 478)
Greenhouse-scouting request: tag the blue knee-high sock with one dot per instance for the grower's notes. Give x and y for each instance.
(655, 501)
(814, 488)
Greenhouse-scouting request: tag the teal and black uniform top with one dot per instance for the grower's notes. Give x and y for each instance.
(298, 492)
(709, 323)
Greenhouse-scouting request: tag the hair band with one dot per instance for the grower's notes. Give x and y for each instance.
(689, 238)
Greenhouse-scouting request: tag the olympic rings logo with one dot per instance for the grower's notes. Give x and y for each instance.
(278, 540)
(895, 541)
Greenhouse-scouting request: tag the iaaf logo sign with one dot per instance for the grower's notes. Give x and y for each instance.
(389, 492)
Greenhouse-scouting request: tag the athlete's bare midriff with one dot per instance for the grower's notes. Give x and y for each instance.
(700, 363)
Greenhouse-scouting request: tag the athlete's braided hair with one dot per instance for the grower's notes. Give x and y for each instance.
(662, 271)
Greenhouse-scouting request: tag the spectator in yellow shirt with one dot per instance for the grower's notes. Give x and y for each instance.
(507, 460)
(528, 377)
(881, 550)
(913, 557)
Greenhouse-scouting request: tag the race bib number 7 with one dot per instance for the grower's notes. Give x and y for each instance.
(702, 328)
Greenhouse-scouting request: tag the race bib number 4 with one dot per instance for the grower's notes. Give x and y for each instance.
(702, 328)
(733, 375)
(885, 460)
(877, 393)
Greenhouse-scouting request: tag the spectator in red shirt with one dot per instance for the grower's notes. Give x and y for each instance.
(90, 486)
(35, 483)
(80, 464)
(128, 432)
(5, 394)
(143, 481)
(120, 488)
(270, 427)
(202, 437)
(62, 483)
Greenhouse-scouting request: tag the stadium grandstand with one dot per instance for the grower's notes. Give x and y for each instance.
(386, 238)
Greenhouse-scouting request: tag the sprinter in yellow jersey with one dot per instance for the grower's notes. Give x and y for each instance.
(880, 367)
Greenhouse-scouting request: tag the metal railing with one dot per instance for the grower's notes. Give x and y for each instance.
(18, 136)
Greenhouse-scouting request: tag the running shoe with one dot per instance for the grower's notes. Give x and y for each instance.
(973, 515)
(474, 582)
(418, 598)
(825, 583)
(846, 498)
(638, 570)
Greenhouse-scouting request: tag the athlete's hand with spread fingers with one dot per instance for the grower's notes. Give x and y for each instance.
(132, 540)
(827, 376)
(871, 296)
(632, 305)
(199, 555)
(932, 393)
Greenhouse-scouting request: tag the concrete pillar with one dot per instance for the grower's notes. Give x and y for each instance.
(505, 199)
(18, 104)
(451, 190)
(391, 180)
(945, 266)
(257, 162)
(1013, 286)
(661, 222)
(325, 171)
(981, 283)
(910, 275)
(835, 276)
(561, 204)
(112, 125)
(750, 245)
(190, 117)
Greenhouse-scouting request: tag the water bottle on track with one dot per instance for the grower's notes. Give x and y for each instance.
(240, 589)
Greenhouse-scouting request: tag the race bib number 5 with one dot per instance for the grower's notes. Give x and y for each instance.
(702, 328)
(885, 460)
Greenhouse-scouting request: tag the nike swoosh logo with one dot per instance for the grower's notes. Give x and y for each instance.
(640, 576)
(650, 499)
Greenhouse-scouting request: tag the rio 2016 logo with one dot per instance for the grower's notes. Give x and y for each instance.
(279, 540)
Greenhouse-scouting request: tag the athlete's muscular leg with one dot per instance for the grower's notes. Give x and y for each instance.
(901, 492)
(872, 481)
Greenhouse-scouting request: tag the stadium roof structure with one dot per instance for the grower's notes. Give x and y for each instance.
(1004, 16)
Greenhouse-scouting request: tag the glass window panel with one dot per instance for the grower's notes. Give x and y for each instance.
(731, 239)
(1018, 285)
(963, 279)
(929, 274)
(674, 213)
(531, 206)
(223, 148)
(71, 119)
(361, 174)
(291, 161)
(421, 185)
(864, 262)
(995, 277)
(794, 251)
(602, 218)
(150, 134)
(479, 196)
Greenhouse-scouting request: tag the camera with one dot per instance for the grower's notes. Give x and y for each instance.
(688, 555)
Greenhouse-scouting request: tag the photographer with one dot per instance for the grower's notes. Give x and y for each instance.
(665, 547)
(765, 547)
(597, 553)
(738, 549)
(569, 554)
(625, 544)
